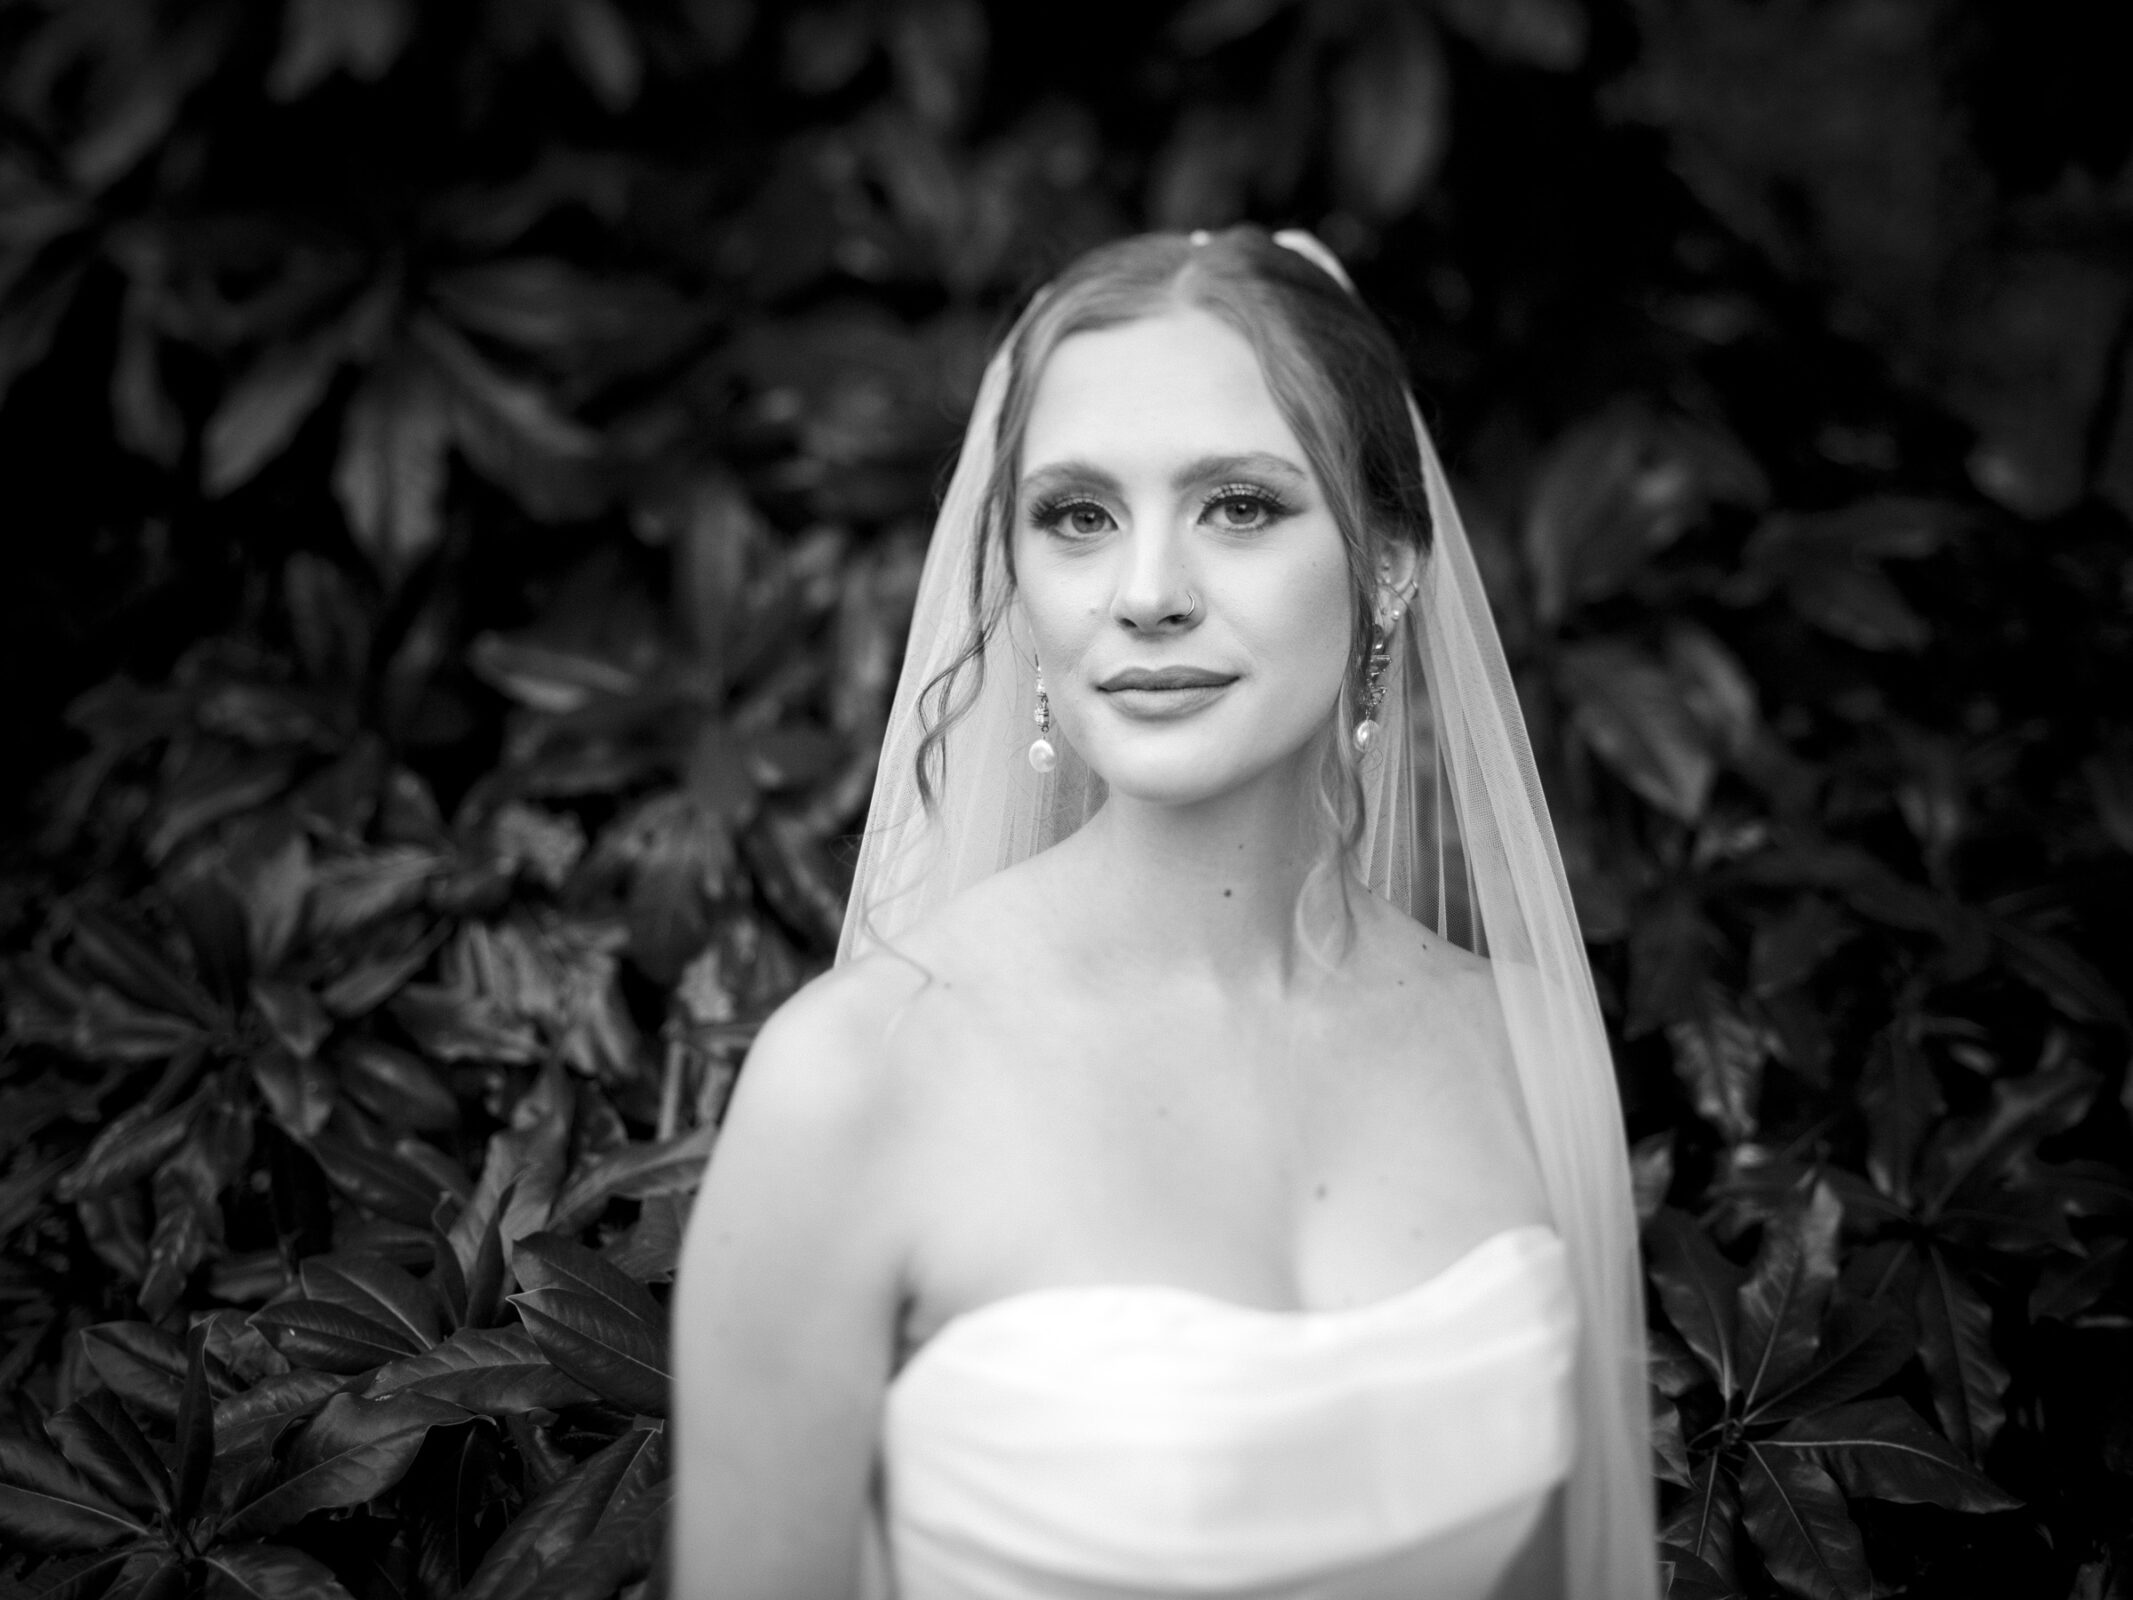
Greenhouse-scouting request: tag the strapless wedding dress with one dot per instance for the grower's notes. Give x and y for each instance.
(1090, 1442)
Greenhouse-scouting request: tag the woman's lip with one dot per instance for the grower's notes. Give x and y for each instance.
(1162, 704)
(1165, 679)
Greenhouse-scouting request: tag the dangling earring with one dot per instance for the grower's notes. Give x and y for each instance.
(1373, 696)
(1041, 754)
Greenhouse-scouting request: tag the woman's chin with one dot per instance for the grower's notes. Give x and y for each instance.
(1184, 773)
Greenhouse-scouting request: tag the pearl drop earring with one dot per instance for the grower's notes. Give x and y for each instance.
(1041, 754)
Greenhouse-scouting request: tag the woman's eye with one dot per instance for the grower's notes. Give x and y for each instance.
(1082, 518)
(1240, 513)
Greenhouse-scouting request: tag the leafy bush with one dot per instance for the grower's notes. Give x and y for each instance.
(481, 462)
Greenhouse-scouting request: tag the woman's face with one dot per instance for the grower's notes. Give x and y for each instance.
(1177, 564)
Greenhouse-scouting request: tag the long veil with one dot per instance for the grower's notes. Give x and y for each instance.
(1456, 834)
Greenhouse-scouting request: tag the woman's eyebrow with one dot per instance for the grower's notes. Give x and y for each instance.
(1068, 474)
(1203, 469)
(1253, 463)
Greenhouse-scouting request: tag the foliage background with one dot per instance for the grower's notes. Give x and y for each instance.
(466, 472)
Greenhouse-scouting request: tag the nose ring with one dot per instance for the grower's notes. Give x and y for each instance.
(1192, 610)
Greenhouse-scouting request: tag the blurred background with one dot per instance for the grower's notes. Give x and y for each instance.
(466, 469)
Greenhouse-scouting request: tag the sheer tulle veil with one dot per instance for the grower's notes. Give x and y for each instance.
(1456, 833)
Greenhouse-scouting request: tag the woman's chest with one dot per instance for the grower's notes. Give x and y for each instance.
(1270, 1172)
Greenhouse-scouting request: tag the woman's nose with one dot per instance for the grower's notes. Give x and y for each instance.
(1152, 593)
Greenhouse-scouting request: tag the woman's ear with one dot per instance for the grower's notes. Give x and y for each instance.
(1399, 565)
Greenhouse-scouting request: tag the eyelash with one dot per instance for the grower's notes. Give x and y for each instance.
(1050, 514)
(1271, 505)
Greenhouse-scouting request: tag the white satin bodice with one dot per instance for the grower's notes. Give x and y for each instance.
(1090, 1442)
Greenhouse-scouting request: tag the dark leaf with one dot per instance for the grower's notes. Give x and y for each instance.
(1670, 1365)
(1689, 1577)
(1719, 1056)
(269, 1572)
(2023, 1112)
(1630, 711)
(449, 1026)
(622, 1549)
(1703, 1523)
(1797, 1517)
(496, 1371)
(1863, 1344)
(1955, 1343)
(1700, 1289)
(101, 1440)
(260, 413)
(1670, 949)
(351, 1452)
(1616, 490)
(527, 1159)
(384, 960)
(350, 892)
(140, 1363)
(1393, 114)
(298, 1091)
(794, 876)
(1782, 1302)
(160, 1575)
(2066, 1289)
(565, 1514)
(1857, 604)
(129, 1148)
(84, 1577)
(139, 98)
(1902, 1100)
(254, 1420)
(651, 1248)
(1206, 25)
(448, 1279)
(638, 1172)
(619, 1357)
(1543, 33)
(293, 1013)
(28, 323)
(319, 37)
(511, 431)
(138, 970)
(116, 1228)
(331, 1338)
(1880, 1449)
(550, 1261)
(1715, 687)
(188, 1189)
(218, 783)
(601, 46)
(1670, 1451)
(2062, 976)
(375, 1178)
(376, 1290)
(482, 1281)
(395, 1086)
(937, 49)
(391, 473)
(195, 1443)
(46, 1505)
(1789, 949)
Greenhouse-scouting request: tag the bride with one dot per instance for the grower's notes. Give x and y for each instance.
(1201, 1173)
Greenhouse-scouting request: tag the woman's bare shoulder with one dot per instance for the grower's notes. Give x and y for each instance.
(1407, 951)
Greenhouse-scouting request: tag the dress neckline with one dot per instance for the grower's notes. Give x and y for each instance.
(1022, 1300)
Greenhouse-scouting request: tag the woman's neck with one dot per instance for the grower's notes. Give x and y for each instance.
(1208, 890)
